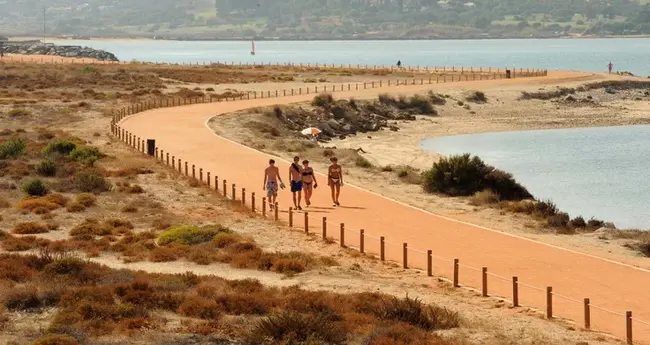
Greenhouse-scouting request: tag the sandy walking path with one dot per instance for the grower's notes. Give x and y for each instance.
(182, 132)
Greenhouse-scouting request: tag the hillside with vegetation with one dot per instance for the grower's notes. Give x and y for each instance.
(326, 19)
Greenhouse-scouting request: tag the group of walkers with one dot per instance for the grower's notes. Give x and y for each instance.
(302, 179)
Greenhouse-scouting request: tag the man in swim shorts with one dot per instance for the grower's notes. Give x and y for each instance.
(295, 176)
(271, 177)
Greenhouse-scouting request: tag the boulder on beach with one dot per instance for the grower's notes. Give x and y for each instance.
(40, 48)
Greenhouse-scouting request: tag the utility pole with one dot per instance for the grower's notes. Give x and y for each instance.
(44, 17)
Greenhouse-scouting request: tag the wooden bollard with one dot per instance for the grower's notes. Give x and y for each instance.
(253, 202)
(264, 207)
(382, 248)
(429, 263)
(405, 255)
(587, 313)
(276, 211)
(167, 158)
(290, 217)
(201, 175)
(157, 153)
(324, 226)
(515, 292)
(207, 179)
(180, 166)
(549, 302)
(456, 273)
(216, 183)
(342, 235)
(306, 222)
(628, 327)
(484, 281)
(225, 188)
(173, 162)
(243, 196)
(187, 169)
(193, 171)
(361, 241)
(234, 192)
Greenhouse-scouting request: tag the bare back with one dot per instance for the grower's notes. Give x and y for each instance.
(272, 173)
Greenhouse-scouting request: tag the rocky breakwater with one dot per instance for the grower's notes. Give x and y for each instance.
(40, 48)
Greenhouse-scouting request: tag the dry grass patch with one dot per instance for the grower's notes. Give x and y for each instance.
(29, 228)
(38, 205)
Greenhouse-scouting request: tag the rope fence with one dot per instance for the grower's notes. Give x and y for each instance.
(366, 243)
(249, 65)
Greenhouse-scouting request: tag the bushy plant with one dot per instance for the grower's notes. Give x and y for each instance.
(292, 327)
(12, 148)
(92, 183)
(46, 167)
(63, 147)
(86, 155)
(413, 312)
(464, 175)
(476, 97)
(56, 339)
(422, 105)
(29, 228)
(190, 234)
(34, 187)
(322, 100)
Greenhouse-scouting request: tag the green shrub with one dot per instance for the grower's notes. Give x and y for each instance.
(46, 167)
(92, 183)
(413, 312)
(436, 98)
(86, 155)
(18, 112)
(63, 147)
(294, 328)
(558, 220)
(12, 148)
(464, 175)
(578, 222)
(190, 234)
(476, 97)
(34, 187)
(362, 162)
(322, 100)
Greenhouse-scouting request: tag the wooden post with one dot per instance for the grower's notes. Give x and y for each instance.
(456, 273)
(587, 314)
(276, 211)
(243, 196)
(306, 222)
(253, 202)
(324, 228)
(515, 292)
(180, 166)
(173, 162)
(234, 192)
(290, 217)
(225, 190)
(201, 175)
(342, 235)
(382, 248)
(264, 207)
(216, 183)
(429, 263)
(187, 169)
(628, 326)
(361, 241)
(405, 255)
(193, 171)
(167, 158)
(549, 302)
(484, 284)
(207, 179)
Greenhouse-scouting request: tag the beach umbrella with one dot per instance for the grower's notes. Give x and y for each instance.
(311, 131)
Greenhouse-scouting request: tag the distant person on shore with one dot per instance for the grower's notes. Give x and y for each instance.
(399, 63)
(271, 177)
(335, 180)
(610, 66)
(295, 176)
(308, 181)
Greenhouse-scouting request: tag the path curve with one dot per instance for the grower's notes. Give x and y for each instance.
(182, 132)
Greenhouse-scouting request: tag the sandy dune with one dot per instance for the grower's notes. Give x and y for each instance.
(613, 286)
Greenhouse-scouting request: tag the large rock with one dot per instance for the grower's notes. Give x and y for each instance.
(40, 48)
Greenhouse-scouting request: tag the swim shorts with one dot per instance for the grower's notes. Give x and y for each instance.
(296, 186)
(271, 188)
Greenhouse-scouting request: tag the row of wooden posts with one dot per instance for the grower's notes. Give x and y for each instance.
(417, 68)
(213, 182)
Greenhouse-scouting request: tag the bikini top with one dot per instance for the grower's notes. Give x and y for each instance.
(307, 173)
(335, 171)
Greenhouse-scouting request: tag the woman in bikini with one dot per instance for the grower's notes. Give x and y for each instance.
(335, 180)
(308, 178)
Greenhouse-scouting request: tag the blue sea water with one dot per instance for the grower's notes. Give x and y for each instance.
(599, 172)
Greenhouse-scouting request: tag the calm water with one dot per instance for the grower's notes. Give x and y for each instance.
(627, 54)
(600, 172)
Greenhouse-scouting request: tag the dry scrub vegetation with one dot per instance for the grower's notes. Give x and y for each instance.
(80, 302)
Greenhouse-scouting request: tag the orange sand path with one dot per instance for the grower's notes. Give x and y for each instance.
(182, 132)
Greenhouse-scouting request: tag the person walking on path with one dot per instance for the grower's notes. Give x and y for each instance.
(399, 63)
(335, 180)
(271, 177)
(610, 66)
(308, 181)
(295, 176)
